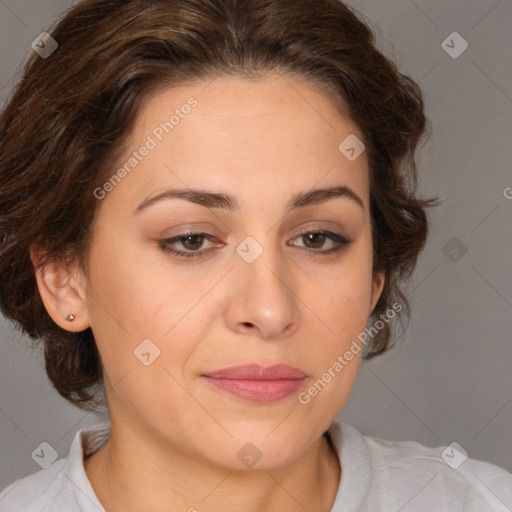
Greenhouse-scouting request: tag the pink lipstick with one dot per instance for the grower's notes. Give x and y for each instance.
(256, 383)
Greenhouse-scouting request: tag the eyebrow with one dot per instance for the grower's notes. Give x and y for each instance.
(211, 199)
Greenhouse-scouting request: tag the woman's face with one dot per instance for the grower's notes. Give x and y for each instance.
(253, 289)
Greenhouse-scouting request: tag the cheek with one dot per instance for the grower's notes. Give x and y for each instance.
(135, 297)
(345, 296)
(136, 315)
(130, 288)
(124, 305)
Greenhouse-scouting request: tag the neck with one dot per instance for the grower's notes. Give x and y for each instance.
(128, 474)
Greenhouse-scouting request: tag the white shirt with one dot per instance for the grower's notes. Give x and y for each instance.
(377, 476)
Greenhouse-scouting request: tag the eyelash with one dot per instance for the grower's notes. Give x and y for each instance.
(340, 240)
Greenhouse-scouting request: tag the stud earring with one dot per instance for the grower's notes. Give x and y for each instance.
(70, 317)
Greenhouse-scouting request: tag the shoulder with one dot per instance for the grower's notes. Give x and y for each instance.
(63, 486)
(408, 472)
(41, 491)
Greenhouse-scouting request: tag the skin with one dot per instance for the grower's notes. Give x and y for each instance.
(174, 438)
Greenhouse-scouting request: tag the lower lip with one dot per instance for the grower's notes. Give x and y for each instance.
(260, 391)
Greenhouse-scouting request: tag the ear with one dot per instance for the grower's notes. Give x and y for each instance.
(377, 287)
(62, 288)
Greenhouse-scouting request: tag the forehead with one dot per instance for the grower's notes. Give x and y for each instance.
(234, 134)
(244, 107)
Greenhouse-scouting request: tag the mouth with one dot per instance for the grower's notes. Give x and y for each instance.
(256, 383)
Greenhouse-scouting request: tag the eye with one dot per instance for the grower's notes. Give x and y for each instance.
(316, 240)
(192, 244)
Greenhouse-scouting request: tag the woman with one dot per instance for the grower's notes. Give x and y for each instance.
(207, 209)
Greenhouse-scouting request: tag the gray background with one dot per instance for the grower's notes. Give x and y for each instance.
(449, 379)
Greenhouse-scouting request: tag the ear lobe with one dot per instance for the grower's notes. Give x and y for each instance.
(60, 291)
(377, 287)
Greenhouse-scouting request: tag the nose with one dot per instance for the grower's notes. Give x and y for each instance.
(262, 301)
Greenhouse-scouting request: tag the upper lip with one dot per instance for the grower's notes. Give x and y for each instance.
(257, 372)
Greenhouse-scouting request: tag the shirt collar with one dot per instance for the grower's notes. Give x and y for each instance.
(86, 441)
(355, 481)
(354, 487)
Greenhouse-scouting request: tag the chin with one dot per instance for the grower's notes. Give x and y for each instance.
(246, 453)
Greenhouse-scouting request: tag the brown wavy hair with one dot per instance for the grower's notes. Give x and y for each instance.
(70, 114)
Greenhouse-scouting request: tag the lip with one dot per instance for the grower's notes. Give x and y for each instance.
(257, 372)
(257, 383)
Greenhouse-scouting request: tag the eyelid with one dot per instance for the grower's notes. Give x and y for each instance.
(313, 226)
(339, 241)
(188, 254)
(320, 226)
